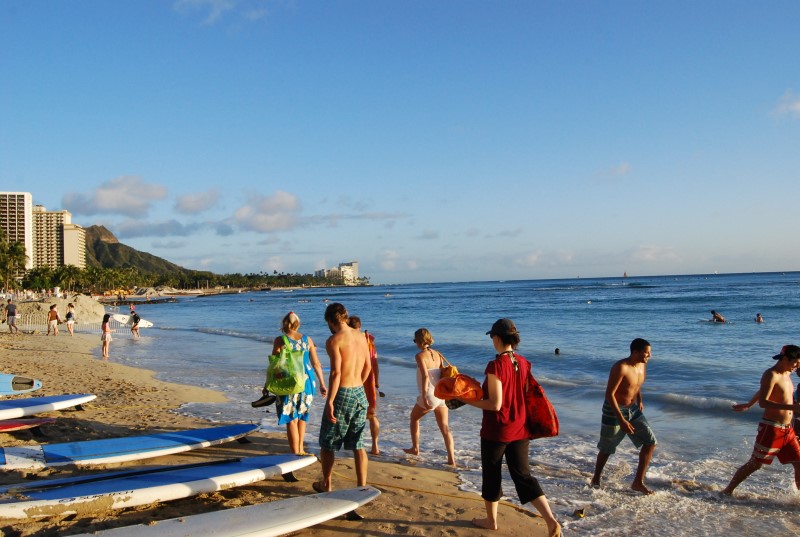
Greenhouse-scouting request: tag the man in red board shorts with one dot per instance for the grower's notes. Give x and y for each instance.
(776, 437)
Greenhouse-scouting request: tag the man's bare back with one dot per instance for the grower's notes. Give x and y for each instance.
(349, 349)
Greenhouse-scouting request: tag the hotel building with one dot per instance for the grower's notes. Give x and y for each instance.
(50, 237)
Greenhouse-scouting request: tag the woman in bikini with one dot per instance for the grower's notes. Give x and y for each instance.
(429, 370)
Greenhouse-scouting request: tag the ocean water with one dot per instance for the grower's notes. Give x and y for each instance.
(698, 369)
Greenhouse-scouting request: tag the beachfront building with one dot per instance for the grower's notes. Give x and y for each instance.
(346, 272)
(16, 220)
(56, 240)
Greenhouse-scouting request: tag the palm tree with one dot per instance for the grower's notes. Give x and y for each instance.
(12, 260)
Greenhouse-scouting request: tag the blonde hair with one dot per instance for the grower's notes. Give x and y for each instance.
(423, 336)
(290, 322)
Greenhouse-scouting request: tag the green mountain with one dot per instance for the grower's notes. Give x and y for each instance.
(103, 250)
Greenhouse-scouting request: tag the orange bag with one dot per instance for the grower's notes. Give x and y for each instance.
(458, 387)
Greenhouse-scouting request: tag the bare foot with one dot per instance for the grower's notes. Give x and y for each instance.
(595, 484)
(319, 486)
(484, 523)
(411, 451)
(375, 451)
(640, 487)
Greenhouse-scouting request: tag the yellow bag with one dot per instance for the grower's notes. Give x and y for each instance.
(449, 370)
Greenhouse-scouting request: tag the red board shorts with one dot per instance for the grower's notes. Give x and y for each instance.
(776, 439)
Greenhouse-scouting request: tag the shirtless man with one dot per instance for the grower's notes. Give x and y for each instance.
(622, 414)
(775, 433)
(717, 317)
(345, 415)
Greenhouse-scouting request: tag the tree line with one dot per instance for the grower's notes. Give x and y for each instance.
(96, 280)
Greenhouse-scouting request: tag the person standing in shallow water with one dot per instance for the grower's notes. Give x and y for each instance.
(776, 436)
(504, 430)
(105, 336)
(622, 414)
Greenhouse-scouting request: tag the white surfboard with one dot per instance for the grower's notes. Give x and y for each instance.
(263, 520)
(11, 384)
(116, 490)
(111, 450)
(18, 408)
(128, 319)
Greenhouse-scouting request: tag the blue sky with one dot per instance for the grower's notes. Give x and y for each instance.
(427, 140)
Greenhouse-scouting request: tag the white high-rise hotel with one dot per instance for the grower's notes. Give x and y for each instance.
(50, 237)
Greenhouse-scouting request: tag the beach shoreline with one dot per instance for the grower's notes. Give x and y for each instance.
(417, 499)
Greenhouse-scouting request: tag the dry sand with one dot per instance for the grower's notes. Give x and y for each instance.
(416, 500)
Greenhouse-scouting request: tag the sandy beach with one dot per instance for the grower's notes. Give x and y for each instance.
(416, 500)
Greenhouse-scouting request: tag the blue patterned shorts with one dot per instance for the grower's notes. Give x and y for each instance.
(350, 409)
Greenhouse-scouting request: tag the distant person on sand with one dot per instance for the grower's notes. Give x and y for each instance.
(776, 436)
(504, 430)
(105, 335)
(759, 318)
(293, 409)
(135, 322)
(53, 320)
(429, 371)
(345, 414)
(717, 317)
(11, 317)
(371, 386)
(622, 414)
(70, 317)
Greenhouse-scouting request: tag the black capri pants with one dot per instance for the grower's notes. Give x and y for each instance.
(516, 453)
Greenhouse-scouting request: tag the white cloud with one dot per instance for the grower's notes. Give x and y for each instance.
(788, 105)
(530, 259)
(215, 8)
(655, 254)
(388, 260)
(266, 214)
(126, 195)
(196, 203)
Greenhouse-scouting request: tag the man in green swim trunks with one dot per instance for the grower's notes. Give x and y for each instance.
(345, 415)
(622, 414)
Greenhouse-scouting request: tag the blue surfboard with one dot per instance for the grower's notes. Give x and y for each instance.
(11, 384)
(111, 450)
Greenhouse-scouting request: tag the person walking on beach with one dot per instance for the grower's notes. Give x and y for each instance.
(70, 317)
(622, 414)
(105, 336)
(776, 436)
(135, 322)
(371, 386)
(504, 430)
(429, 371)
(293, 409)
(53, 320)
(345, 413)
(11, 317)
